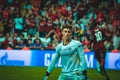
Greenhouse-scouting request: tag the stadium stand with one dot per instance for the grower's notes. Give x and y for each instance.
(43, 17)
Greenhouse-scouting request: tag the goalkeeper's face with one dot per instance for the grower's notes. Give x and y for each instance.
(67, 33)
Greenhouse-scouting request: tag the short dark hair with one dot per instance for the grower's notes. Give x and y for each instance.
(69, 27)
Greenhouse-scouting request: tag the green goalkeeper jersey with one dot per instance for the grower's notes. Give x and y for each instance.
(72, 57)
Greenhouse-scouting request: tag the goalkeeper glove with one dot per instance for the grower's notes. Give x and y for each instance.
(85, 75)
(85, 78)
(46, 76)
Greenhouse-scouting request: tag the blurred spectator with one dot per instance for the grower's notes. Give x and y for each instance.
(42, 26)
(5, 14)
(35, 37)
(82, 9)
(31, 23)
(27, 5)
(57, 31)
(116, 37)
(100, 15)
(9, 26)
(26, 13)
(45, 40)
(55, 41)
(22, 36)
(7, 41)
(20, 44)
(116, 21)
(86, 42)
(109, 31)
(91, 14)
(76, 38)
(30, 44)
(49, 25)
(64, 10)
(38, 44)
(104, 4)
(11, 11)
(16, 37)
(52, 13)
(17, 3)
(84, 20)
(49, 46)
(80, 32)
(18, 21)
(2, 39)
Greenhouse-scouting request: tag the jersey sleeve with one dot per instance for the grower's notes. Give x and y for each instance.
(80, 51)
(54, 61)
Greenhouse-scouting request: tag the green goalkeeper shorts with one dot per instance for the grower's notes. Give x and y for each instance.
(64, 76)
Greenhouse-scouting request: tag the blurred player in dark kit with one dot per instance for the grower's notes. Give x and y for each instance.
(98, 38)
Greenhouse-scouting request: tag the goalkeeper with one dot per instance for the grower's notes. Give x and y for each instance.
(72, 58)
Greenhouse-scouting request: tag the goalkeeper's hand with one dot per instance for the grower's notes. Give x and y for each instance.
(45, 78)
(85, 78)
(85, 75)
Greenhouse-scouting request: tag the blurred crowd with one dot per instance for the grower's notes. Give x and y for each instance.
(36, 24)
